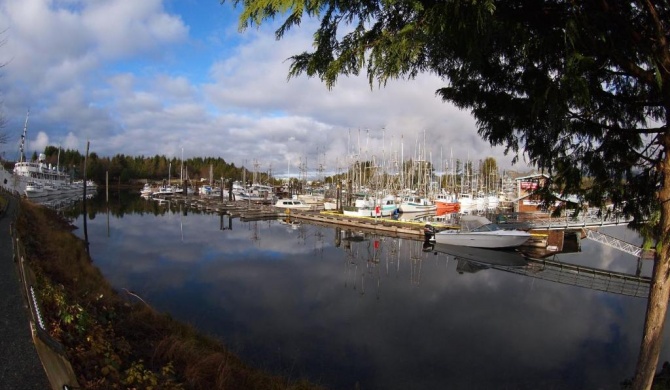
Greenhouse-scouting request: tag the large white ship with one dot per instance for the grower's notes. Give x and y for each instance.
(39, 180)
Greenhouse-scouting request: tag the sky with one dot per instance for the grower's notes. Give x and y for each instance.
(178, 78)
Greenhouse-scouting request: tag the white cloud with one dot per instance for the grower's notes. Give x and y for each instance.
(38, 144)
(137, 79)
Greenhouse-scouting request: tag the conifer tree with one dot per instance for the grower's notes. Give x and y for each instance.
(580, 89)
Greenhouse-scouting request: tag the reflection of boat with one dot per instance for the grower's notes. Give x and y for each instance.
(349, 235)
(291, 223)
(147, 190)
(483, 257)
(479, 232)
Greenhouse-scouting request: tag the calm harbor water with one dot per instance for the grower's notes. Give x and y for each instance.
(367, 311)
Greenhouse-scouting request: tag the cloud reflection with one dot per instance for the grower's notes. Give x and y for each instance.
(377, 311)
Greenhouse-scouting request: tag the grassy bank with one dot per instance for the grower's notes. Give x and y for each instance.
(113, 339)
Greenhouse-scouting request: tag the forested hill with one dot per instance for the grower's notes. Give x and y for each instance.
(125, 169)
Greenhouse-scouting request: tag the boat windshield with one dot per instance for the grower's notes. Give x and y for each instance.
(490, 227)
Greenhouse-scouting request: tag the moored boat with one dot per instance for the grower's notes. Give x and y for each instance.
(147, 190)
(34, 190)
(479, 232)
(446, 203)
(416, 204)
(37, 179)
(465, 203)
(292, 204)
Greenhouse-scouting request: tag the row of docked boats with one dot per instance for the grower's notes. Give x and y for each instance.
(254, 193)
(474, 231)
(163, 190)
(442, 203)
(467, 203)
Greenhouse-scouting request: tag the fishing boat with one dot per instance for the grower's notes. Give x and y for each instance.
(446, 203)
(256, 192)
(371, 207)
(416, 204)
(466, 203)
(479, 232)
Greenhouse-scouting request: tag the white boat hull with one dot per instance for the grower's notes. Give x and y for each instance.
(491, 240)
(292, 204)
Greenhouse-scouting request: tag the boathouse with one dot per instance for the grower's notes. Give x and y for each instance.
(527, 202)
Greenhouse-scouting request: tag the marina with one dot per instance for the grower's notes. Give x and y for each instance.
(282, 281)
(274, 238)
(546, 233)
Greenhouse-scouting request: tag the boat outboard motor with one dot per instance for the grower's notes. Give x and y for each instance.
(428, 232)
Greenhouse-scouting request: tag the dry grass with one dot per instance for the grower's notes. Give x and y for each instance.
(113, 343)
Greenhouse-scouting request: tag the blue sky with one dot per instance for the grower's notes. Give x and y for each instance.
(161, 76)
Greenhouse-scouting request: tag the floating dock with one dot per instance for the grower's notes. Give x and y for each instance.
(548, 236)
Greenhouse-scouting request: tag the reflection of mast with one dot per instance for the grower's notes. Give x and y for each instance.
(415, 258)
(350, 259)
(181, 224)
(318, 243)
(373, 261)
(222, 226)
(393, 255)
(338, 237)
(254, 231)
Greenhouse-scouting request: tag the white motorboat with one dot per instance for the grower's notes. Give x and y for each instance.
(292, 204)
(34, 190)
(166, 190)
(479, 232)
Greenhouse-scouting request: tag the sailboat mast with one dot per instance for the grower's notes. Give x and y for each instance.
(22, 156)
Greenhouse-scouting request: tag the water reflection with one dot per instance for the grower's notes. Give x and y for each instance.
(347, 309)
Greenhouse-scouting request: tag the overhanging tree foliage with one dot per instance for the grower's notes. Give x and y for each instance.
(580, 89)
